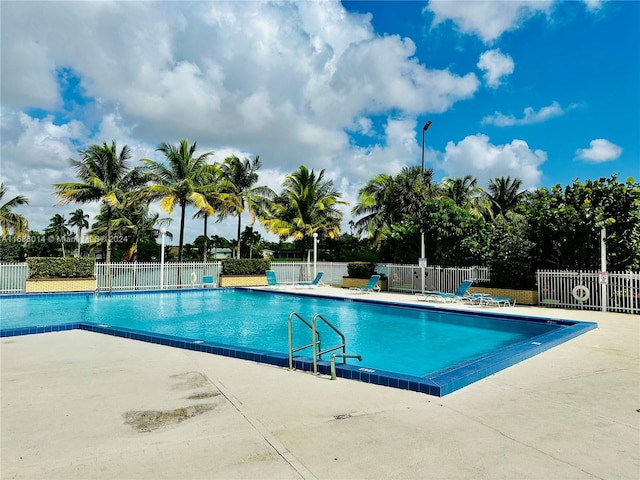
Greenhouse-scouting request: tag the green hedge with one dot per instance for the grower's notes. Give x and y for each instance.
(361, 269)
(245, 266)
(56, 267)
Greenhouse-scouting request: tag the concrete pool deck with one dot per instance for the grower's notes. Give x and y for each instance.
(77, 404)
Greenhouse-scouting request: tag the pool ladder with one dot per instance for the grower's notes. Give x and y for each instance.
(316, 341)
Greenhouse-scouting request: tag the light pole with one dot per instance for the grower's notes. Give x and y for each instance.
(315, 253)
(423, 260)
(163, 232)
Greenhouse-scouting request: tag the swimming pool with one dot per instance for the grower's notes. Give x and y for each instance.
(413, 347)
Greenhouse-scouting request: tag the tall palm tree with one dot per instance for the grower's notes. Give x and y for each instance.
(58, 229)
(372, 206)
(215, 203)
(105, 177)
(505, 194)
(239, 193)
(385, 200)
(79, 219)
(181, 181)
(9, 220)
(307, 205)
(464, 191)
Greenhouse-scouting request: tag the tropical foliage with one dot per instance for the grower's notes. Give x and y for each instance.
(512, 230)
(181, 181)
(10, 221)
(80, 220)
(105, 176)
(307, 205)
(239, 192)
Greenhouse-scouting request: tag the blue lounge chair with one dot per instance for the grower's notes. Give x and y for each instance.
(371, 286)
(272, 280)
(459, 294)
(497, 301)
(312, 284)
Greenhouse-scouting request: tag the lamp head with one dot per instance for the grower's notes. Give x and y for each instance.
(163, 230)
(426, 125)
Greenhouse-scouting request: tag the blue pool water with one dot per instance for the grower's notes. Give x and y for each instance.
(410, 341)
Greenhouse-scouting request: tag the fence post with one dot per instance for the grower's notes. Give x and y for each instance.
(603, 268)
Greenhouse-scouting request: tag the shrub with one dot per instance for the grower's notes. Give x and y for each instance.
(245, 266)
(56, 267)
(361, 269)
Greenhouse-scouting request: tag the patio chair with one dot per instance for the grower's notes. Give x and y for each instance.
(459, 294)
(497, 301)
(371, 286)
(314, 283)
(272, 280)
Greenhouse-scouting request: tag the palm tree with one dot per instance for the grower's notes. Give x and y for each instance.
(215, 204)
(505, 194)
(251, 238)
(79, 219)
(466, 194)
(9, 220)
(307, 205)
(239, 193)
(373, 206)
(58, 229)
(181, 181)
(385, 200)
(105, 177)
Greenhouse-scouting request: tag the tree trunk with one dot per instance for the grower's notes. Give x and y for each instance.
(108, 259)
(239, 222)
(206, 239)
(183, 207)
(79, 241)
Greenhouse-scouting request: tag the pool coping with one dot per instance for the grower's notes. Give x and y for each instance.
(438, 384)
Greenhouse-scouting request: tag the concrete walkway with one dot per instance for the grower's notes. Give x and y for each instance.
(82, 405)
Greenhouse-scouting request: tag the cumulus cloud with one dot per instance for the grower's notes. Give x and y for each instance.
(495, 65)
(593, 5)
(530, 116)
(599, 151)
(475, 155)
(307, 76)
(487, 19)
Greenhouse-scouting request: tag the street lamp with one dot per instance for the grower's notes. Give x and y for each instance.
(163, 231)
(315, 253)
(423, 260)
(424, 129)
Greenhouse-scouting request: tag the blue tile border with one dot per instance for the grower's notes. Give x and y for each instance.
(438, 384)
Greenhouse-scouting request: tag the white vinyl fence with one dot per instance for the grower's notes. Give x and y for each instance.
(582, 290)
(565, 289)
(294, 272)
(147, 276)
(13, 277)
(407, 278)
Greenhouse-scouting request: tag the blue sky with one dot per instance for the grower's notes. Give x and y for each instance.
(546, 91)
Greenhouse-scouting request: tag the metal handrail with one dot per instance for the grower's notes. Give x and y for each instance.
(315, 343)
(316, 339)
(344, 357)
(319, 350)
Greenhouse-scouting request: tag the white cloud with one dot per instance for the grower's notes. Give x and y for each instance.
(593, 5)
(476, 156)
(530, 116)
(288, 81)
(599, 151)
(495, 65)
(487, 19)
